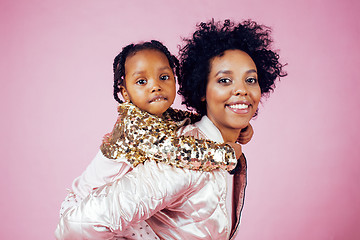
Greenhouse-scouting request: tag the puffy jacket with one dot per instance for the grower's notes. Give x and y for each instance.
(177, 203)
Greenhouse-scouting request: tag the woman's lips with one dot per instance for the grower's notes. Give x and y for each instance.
(241, 107)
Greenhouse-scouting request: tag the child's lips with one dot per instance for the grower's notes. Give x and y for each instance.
(158, 99)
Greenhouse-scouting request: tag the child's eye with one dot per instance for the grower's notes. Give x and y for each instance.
(224, 80)
(251, 80)
(164, 77)
(141, 82)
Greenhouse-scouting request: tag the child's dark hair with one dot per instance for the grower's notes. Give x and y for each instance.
(213, 38)
(131, 49)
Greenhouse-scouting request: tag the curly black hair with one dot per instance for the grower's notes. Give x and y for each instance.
(212, 39)
(130, 50)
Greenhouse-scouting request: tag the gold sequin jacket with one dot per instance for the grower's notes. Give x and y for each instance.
(177, 203)
(139, 136)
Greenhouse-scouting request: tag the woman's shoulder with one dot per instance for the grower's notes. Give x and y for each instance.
(191, 130)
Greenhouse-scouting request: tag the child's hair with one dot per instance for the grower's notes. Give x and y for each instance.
(212, 39)
(130, 50)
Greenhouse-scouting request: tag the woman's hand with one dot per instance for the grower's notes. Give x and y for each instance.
(246, 134)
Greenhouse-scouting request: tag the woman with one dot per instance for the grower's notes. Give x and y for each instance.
(230, 67)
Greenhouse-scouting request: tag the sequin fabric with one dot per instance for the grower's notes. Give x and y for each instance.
(140, 136)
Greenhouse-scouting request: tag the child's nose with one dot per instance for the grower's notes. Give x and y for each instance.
(156, 87)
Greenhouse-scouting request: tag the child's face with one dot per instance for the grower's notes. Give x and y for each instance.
(233, 92)
(149, 81)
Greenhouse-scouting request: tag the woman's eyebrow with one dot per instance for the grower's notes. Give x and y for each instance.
(230, 72)
(251, 71)
(223, 72)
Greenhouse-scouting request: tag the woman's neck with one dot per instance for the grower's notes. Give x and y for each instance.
(229, 135)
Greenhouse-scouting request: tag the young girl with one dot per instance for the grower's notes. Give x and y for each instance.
(230, 68)
(145, 129)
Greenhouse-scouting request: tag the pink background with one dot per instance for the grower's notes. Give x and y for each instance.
(56, 104)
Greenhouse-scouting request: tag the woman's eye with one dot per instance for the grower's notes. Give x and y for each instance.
(164, 77)
(224, 80)
(141, 82)
(251, 80)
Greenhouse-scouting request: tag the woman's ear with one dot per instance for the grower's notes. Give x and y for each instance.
(203, 99)
(124, 93)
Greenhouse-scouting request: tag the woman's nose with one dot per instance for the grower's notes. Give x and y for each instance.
(240, 90)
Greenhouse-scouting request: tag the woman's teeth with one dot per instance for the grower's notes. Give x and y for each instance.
(239, 106)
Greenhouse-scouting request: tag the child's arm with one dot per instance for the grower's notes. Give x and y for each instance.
(237, 149)
(139, 136)
(179, 115)
(188, 152)
(244, 137)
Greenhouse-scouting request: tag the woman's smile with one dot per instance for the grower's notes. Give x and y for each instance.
(240, 107)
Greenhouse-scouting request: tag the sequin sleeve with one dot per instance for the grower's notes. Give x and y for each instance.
(114, 142)
(188, 152)
(179, 115)
(141, 136)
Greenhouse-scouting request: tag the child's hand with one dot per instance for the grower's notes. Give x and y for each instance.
(237, 149)
(246, 134)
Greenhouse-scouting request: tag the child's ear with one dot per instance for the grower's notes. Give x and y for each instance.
(124, 93)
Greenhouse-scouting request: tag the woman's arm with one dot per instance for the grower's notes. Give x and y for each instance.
(100, 171)
(138, 195)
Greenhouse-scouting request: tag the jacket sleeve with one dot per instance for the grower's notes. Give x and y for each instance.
(138, 195)
(100, 171)
(139, 136)
(179, 115)
(185, 152)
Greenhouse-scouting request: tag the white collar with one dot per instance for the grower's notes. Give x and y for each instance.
(209, 129)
